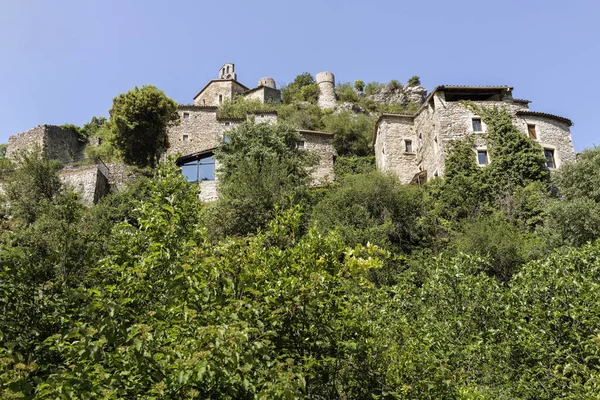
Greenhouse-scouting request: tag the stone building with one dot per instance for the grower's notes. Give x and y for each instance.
(58, 143)
(415, 146)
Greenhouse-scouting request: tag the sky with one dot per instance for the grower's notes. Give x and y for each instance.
(64, 61)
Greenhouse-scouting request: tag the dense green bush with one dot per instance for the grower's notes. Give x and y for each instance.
(353, 134)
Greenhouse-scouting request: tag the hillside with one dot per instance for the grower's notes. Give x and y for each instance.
(478, 284)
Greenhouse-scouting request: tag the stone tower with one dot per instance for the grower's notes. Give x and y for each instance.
(268, 82)
(227, 71)
(326, 82)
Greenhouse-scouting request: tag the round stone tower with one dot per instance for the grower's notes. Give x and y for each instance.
(268, 82)
(326, 82)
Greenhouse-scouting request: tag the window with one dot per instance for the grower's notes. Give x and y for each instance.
(550, 160)
(482, 157)
(300, 144)
(408, 146)
(420, 142)
(532, 132)
(185, 138)
(200, 169)
(477, 126)
(226, 138)
(227, 123)
(220, 98)
(186, 115)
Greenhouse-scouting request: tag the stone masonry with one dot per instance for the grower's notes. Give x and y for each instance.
(443, 119)
(58, 143)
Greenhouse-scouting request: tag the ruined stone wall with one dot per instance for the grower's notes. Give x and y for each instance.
(26, 141)
(88, 181)
(265, 94)
(390, 147)
(119, 175)
(57, 143)
(203, 131)
(226, 88)
(321, 145)
(551, 134)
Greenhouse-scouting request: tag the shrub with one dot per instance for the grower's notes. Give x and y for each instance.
(359, 85)
(414, 81)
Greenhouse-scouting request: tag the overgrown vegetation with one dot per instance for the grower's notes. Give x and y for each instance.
(479, 285)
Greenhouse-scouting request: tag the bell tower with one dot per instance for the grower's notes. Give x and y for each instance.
(227, 71)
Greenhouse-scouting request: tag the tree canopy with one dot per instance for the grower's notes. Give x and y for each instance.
(139, 120)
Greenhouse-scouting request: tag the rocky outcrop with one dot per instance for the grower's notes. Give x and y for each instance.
(403, 95)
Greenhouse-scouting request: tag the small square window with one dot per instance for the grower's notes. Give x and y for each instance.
(300, 144)
(185, 138)
(408, 146)
(186, 115)
(482, 157)
(550, 160)
(227, 123)
(226, 138)
(477, 126)
(532, 132)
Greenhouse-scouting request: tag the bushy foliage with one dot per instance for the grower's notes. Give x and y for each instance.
(414, 81)
(139, 120)
(241, 106)
(260, 169)
(359, 85)
(373, 88)
(373, 208)
(352, 133)
(303, 88)
(302, 115)
(353, 165)
(346, 93)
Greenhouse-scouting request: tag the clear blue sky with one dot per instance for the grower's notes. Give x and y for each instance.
(63, 61)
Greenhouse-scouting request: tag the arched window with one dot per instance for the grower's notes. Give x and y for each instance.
(200, 168)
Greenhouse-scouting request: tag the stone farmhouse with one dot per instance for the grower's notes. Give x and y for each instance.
(413, 147)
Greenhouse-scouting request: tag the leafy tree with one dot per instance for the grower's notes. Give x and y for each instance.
(260, 168)
(414, 81)
(359, 85)
(303, 88)
(139, 120)
(373, 208)
(345, 93)
(352, 133)
(34, 183)
(373, 88)
(353, 165)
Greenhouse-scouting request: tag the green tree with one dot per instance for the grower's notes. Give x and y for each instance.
(303, 88)
(373, 208)
(359, 85)
(260, 168)
(352, 133)
(139, 120)
(414, 81)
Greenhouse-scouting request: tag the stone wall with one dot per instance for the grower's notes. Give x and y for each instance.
(57, 143)
(200, 131)
(215, 88)
(264, 94)
(208, 191)
(321, 144)
(390, 147)
(551, 134)
(119, 175)
(88, 181)
(264, 117)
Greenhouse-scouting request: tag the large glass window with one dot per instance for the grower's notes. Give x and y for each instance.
(482, 157)
(201, 169)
